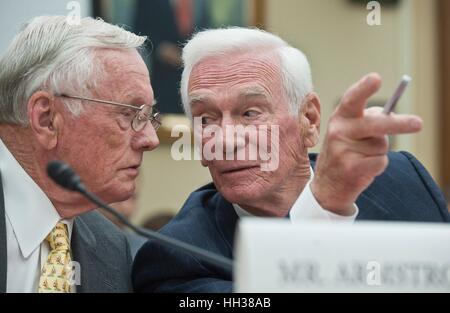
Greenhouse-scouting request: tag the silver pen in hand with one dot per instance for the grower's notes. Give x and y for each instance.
(390, 105)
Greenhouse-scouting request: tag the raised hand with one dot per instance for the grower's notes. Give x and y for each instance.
(355, 147)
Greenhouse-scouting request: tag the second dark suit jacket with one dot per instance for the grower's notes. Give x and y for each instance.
(404, 192)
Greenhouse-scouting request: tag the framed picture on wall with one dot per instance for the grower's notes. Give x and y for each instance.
(168, 25)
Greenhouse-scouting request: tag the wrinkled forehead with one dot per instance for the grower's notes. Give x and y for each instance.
(123, 71)
(235, 69)
(115, 61)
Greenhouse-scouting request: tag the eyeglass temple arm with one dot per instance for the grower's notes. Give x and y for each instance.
(102, 101)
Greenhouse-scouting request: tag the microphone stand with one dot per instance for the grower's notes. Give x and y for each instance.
(214, 259)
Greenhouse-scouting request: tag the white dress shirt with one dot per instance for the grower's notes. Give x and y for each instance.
(30, 217)
(307, 208)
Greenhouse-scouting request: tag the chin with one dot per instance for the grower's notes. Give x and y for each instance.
(242, 193)
(121, 193)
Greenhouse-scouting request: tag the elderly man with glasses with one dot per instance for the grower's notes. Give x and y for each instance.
(81, 94)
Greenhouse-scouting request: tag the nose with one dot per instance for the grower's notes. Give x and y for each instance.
(230, 137)
(146, 139)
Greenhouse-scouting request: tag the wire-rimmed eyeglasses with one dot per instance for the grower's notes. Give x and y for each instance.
(144, 112)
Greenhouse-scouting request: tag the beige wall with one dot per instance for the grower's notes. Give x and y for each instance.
(165, 184)
(341, 48)
(425, 97)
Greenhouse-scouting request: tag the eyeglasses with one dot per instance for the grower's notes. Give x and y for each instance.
(144, 113)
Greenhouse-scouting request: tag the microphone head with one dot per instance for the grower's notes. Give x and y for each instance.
(64, 176)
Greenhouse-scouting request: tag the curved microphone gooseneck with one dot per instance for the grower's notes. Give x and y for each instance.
(65, 176)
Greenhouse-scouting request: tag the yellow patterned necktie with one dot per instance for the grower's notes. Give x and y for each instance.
(57, 272)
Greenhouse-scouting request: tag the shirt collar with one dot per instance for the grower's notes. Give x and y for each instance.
(241, 213)
(28, 209)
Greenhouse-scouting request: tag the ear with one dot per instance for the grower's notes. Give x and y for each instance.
(309, 119)
(42, 117)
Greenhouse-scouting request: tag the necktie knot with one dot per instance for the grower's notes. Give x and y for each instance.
(59, 237)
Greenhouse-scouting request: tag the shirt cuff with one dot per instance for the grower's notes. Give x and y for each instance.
(307, 208)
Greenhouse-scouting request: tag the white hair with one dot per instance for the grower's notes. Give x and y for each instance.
(295, 70)
(51, 54)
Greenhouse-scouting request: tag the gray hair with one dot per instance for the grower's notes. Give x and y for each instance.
(51, 54)
(295, 70)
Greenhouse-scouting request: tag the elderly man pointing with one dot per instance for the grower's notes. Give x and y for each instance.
(81, 94)
(249, 77)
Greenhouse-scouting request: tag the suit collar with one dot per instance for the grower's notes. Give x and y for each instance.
(83, 234)
(83, 249)
(225, 217)
(228, 214)
(95, 270)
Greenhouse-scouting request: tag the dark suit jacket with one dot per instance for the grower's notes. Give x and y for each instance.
(98, 245)
(404, 192)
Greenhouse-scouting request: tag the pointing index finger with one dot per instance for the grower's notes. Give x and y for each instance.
(355, 98)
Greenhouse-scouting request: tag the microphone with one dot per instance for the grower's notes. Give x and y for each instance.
(66, 177)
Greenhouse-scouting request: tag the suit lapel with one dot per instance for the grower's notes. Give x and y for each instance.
(94, 270)
(3, 242)
(226, 219)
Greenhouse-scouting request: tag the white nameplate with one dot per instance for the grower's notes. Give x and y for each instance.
(274, 255)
